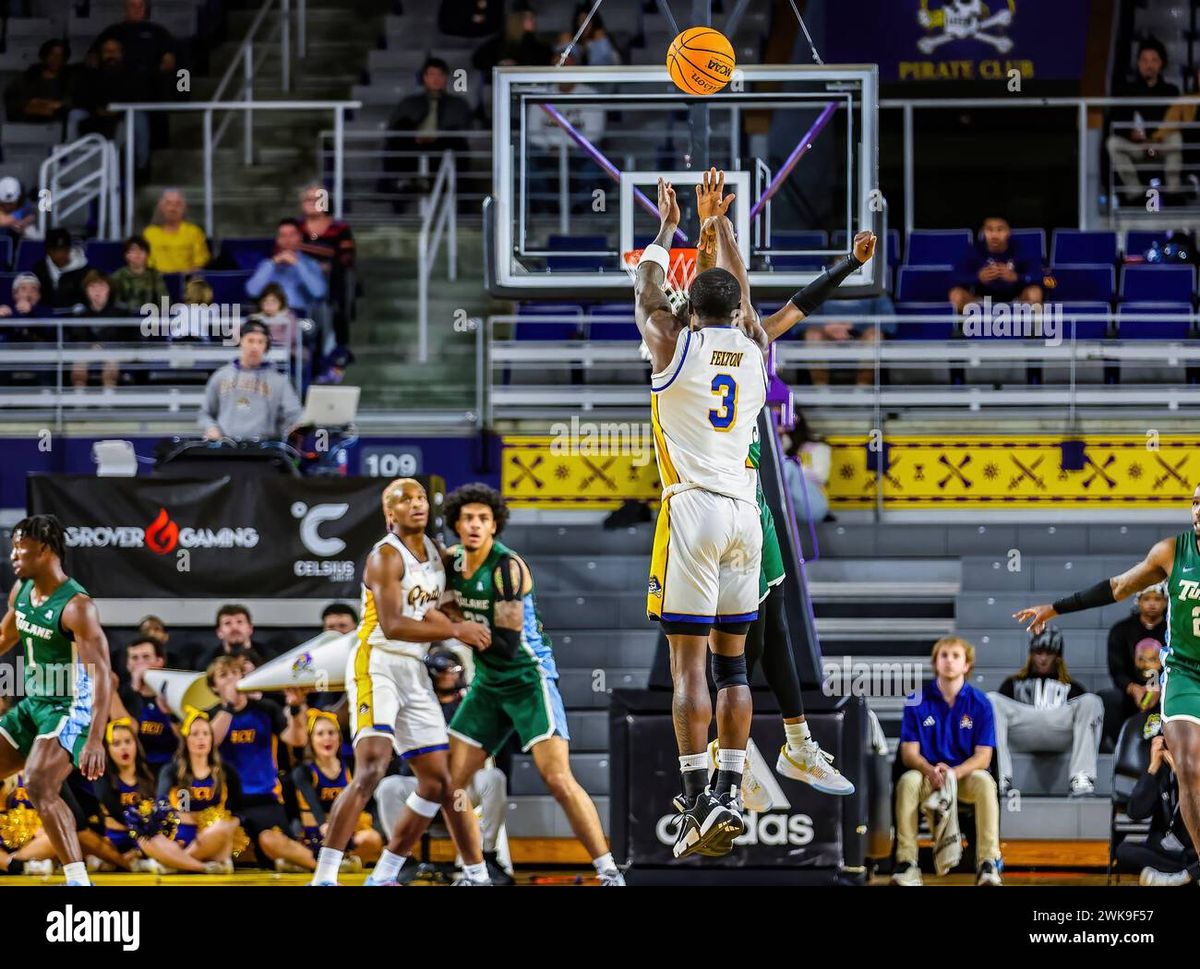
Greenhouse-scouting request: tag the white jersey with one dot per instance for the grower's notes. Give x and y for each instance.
(422, 588)
(705, 406)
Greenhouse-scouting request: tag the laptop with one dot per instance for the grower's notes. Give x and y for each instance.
(333, 406)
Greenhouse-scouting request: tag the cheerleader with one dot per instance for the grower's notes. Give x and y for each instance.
(319, 781)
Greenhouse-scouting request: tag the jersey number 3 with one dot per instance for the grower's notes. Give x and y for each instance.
(724, 386)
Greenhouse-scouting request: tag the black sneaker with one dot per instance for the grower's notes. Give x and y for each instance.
(705, 824)
(734, 827)
(988, 875)
(497, 874)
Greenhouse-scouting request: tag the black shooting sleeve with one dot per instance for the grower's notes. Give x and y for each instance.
(821, 288)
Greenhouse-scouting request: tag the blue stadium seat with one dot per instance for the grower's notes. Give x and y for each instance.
(6, 281)
(174, 284)
(937, 247)
(893, 244)
(29, 253)
(1087, 283)
(246, 254)
(527, 327)
(1031, 243)
(1138, 241)
(105, 255)
(1157, 284)
(924, 284)
(1128, 329)
(928, 329)
(228, 286)
(600, 261)
(1085, 329)
(807, 239)
(1077, 246)
(613, 321)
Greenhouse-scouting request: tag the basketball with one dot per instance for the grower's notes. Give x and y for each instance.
(700, 60)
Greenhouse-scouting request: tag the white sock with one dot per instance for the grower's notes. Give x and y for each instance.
(477, 873)
(328, 862)
(731, 760)
(604, 863)
(76, 873)
(693, 762)
(797, 734)
(387, 867)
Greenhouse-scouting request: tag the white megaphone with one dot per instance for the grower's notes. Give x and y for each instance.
(319, 664)
(182, 689)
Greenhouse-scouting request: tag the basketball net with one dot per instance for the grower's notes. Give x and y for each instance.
(681, 272)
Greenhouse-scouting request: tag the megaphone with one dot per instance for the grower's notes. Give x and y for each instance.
(319, 664)
(182, 689)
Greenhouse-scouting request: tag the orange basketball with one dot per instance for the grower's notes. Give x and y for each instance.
(700, 60)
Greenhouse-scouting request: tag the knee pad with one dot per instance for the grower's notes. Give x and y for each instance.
(729, 671)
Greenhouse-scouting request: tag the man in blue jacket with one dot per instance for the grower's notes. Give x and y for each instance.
(300, 276)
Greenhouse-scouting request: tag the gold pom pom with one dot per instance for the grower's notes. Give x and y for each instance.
(18, 826)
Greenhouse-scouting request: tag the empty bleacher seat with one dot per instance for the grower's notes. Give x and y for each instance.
(1076, 246)
(1086, 283)
(1179, 328)
(1031, 243)
(29, 253)
(6, 251)
(1085, 329)
(566, 321)
(1138, 241)
(599, 262)
(937, 247)
(805, 239)
(924, 284)
(105, 255)
(228, 286)
(1157, 284)
(247, 253)
(613, 321)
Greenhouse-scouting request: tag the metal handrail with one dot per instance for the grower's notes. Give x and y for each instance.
(98, 182)
(439, 214)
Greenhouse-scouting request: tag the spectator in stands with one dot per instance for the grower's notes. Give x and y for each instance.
(298, 274)
(1145, 630)
(235, 633)
(947, 736)
(1042, 709)
(26, 303)
(488, 789)
(154, 628)
(518, 45)
(418, 123)
(201, 316)
(176, 246)
(95, 88)
(248, 733)
(17, 216)
(830, 325)
(61, 271)
(806, 472)
(135, 284)
(149, 49)
(997, 268)
(598, 48)
(42, 91)
(339, 618)
(158, 727)
(470, 18)
(98, 302)
(331, 243)
(1167, 851)
(274, 314)
(249, 399)
(1180, 119)
(1139, 134)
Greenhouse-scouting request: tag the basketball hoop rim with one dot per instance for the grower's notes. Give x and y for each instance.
(682, 266)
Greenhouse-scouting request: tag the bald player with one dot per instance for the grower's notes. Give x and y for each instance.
(391, 701)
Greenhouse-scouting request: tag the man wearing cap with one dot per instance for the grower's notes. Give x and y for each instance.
(1041, 709)
(16, 215)
(61, 271)
(1147, 622)
(248, 398)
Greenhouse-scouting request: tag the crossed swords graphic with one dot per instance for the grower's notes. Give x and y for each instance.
(1170, 472)
(1099, 471)
(955, 470)
(1027, 472)
(601, 473)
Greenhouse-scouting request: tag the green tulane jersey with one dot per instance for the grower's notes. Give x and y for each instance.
(1183, 603)
(475, 595)
(51, 669)
(772, 570)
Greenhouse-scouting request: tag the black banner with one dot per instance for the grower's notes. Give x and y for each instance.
(215, 537)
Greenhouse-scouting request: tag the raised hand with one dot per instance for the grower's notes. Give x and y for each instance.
(668, 205)
(864, 246)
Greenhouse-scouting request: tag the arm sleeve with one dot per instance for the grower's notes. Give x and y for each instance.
(258, 281)
(302, 778)
(1118, 659)
(1144, 795)
(507, 642)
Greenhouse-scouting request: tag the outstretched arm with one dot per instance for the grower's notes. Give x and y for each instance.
(1155, 567)
(804, 302)
(82, 620)
(652, 310)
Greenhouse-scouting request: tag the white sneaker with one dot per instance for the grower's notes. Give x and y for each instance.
(286, 867)
(1149, 876)
(218, 867)
(987, 874)
(907, 875)
(1082, 786)
(350, 864)
(812, 765)
(93, 863)
(43, 866)
(755, 797)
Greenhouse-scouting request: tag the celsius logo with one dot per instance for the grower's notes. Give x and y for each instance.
(311, 519)
(163, 534)
(774, 829)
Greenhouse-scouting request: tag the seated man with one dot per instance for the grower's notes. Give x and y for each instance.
(829, 325)
(1142, 633)
(997, 268)
(1042, 709)
(946, 741)
(1165, 854)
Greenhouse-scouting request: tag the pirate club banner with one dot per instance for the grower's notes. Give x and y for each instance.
(961, 40)
(1134, 471)
(228, 536)
(585, 466)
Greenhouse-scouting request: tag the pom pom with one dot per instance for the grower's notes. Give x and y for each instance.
(18, 826)
(148, 818)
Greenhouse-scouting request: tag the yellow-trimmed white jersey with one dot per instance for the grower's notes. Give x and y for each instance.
(422, 588)
(704, 406)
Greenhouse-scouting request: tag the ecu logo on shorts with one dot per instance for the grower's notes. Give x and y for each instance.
(655, 588)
